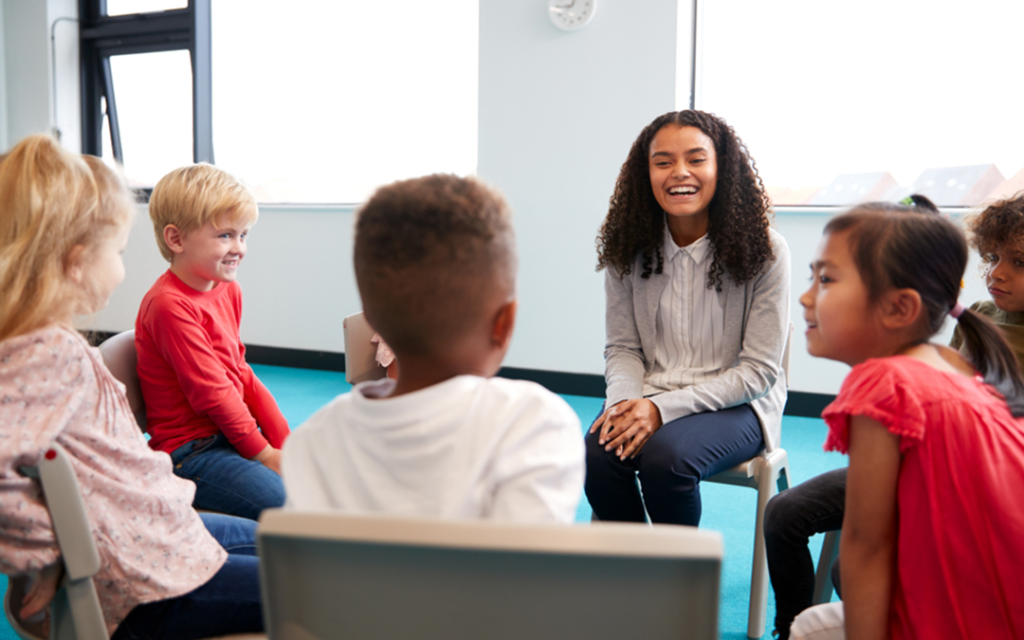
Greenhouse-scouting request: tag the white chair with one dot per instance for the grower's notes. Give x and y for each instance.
(360, 353)
(768, 473)
(823, 586)
(331, 575)
(75, 613)
(119, 355)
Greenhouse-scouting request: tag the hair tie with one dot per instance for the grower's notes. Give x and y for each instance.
(957, 310)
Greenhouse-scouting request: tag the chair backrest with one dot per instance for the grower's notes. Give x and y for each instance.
(360, 353)
(119, 355)
(76, 612)
(786, 352)
(331, 575)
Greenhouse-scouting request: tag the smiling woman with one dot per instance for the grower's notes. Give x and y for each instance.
(694, 386)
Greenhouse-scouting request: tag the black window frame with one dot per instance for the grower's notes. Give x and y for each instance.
(102, 36)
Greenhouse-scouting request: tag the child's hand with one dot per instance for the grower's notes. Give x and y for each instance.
(42, 587)
(271, 458)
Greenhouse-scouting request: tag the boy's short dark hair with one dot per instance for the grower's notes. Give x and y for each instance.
(999, 223)
(429, 254)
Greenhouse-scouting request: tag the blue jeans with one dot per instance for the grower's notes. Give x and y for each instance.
(670, 466)
(228, 603)
(225, 481)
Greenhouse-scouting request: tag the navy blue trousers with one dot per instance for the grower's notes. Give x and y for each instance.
(228, 603)
(670, 466)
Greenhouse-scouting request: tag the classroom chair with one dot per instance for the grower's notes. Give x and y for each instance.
(360, 353)
(75, 613)
(119, 355)
(767, 473)
(335, 575)
(823, 586)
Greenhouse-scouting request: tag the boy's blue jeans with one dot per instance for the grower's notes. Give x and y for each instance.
(225, 481)
(228, 603)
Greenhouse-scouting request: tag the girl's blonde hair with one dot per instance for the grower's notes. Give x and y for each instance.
(51, 201)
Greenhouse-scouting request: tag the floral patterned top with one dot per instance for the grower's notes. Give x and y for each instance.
(152, 543)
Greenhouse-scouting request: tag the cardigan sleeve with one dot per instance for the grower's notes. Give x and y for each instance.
(758, 368)
(623, 352)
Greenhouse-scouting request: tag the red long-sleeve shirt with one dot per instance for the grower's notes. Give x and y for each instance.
(193, 373)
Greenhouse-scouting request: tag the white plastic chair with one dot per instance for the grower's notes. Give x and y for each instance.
(823, 586)
(333, 575)
(768, 473)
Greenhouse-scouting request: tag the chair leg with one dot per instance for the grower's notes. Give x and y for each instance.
(769, 476)
(823, 574)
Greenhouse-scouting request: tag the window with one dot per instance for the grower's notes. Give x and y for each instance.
(326, 100)
(312, 101)
(845, 102)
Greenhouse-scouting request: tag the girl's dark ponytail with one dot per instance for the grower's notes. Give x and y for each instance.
(987, 349)
(909, 245)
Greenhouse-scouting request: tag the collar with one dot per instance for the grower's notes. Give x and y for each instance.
(697, 250)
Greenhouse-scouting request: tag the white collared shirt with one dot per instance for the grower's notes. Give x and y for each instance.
(690, 322)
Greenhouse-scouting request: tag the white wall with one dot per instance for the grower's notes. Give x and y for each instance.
(558, 113)
(27, 71)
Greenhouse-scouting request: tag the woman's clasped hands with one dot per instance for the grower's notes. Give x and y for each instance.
(626, 426)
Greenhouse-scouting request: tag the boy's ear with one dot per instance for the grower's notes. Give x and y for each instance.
(73, 264)
(901, 308)
(172, 238)
(504, 323)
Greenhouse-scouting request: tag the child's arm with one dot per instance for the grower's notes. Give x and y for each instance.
(868, 545)
(179, 337)
(264, 408)
(540, 470)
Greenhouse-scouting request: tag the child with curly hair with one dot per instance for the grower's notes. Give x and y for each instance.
(697, 287)
(997, 233)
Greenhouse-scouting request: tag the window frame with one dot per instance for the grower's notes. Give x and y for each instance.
(102, 36)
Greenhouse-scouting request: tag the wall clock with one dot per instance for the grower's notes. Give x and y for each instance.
(571, 15)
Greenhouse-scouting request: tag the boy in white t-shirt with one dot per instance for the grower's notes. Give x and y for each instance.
(435, 262)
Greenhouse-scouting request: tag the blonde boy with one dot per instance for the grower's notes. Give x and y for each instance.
(204, 405)
(435, 263)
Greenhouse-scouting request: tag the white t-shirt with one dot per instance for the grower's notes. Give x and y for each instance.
(467, 448)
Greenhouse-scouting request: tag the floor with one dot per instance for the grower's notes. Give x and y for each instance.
(727, 509)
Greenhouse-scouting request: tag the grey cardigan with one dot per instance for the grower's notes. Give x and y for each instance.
(756, 330)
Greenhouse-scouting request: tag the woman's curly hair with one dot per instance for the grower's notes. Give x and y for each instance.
(737, 216)
(999, 223)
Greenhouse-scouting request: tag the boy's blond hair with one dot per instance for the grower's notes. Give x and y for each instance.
(191, 196)
(51, 201)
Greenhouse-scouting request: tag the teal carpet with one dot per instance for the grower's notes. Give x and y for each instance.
(727, 509)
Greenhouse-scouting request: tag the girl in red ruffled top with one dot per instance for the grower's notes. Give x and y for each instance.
(933, 532)
(165, 571)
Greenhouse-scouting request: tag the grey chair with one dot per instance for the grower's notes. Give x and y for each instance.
(119, 355)
(75, 613)
(332, 575)
(767, 473)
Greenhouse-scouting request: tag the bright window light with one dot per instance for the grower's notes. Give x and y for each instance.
(323, 101)
(153, 96)
(841, 102)
(123, 7)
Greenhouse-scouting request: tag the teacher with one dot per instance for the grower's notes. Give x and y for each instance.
(697, 294)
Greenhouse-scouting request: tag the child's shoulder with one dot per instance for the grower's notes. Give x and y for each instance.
(169, 295)
(42, 362)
